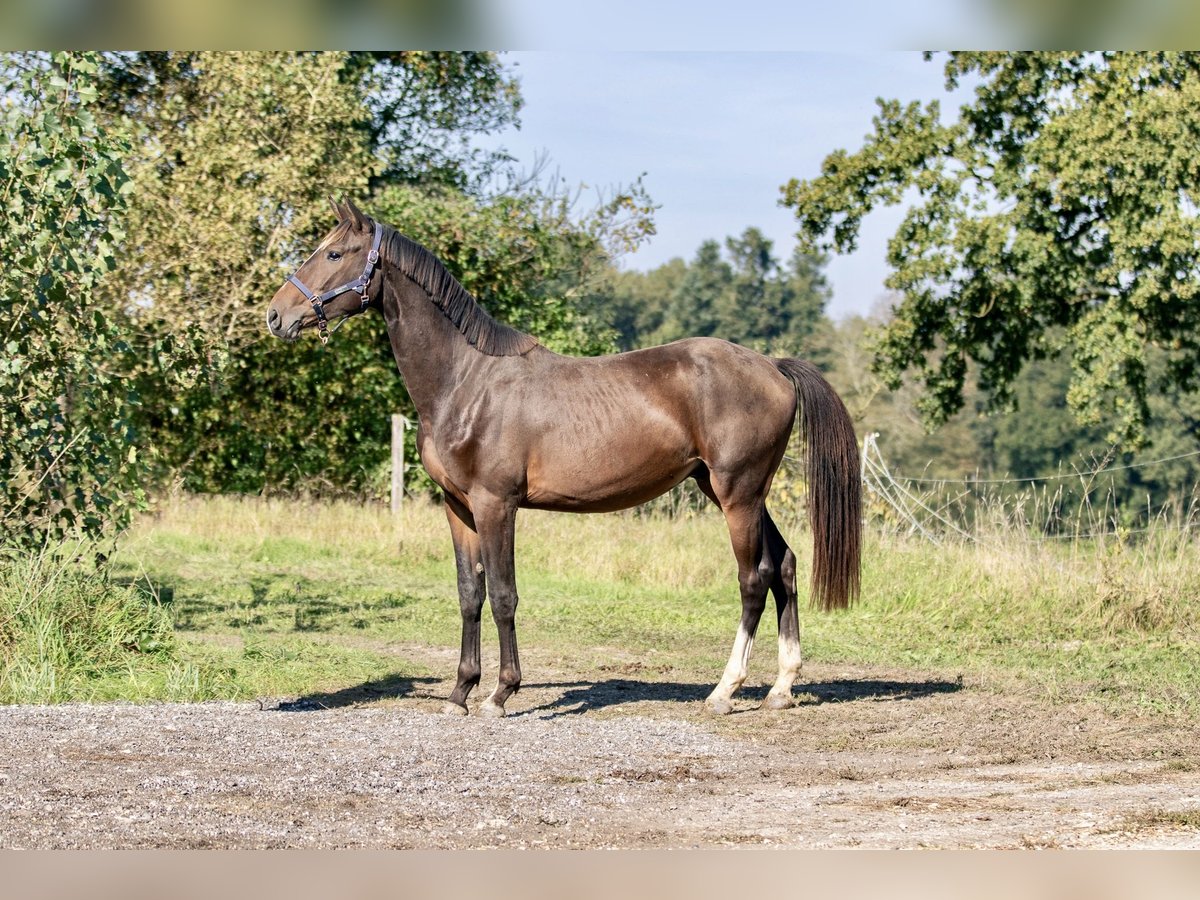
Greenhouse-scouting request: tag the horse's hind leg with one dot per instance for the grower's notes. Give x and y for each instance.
(756, 572)
(783, 586)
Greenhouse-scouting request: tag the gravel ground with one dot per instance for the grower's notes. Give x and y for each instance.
(878, 759)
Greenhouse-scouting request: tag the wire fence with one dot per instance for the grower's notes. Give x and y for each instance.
(938, 509)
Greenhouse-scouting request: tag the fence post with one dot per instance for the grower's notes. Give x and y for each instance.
(398, 423)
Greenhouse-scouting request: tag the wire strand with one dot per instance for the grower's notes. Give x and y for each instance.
(1037, 478)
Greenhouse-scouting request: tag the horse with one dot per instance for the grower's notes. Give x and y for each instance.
(507, 424)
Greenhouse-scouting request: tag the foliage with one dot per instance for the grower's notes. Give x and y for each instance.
(424, 108)
(1058, 213)
(532, 257)
(638, 303)
(1037, 436)
(749, 298)
(235, 153)
(68, 462)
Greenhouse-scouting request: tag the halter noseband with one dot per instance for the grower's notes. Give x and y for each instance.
(359, 287)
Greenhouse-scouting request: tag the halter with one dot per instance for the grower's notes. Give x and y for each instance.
(359, 287)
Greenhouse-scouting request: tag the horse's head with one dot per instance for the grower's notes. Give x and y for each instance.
(333, 282)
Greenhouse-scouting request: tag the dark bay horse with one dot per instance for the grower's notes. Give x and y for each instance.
(506, 423)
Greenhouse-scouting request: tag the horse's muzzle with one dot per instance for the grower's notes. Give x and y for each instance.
(276, 326)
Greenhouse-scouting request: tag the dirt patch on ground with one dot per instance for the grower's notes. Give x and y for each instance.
(867, 758)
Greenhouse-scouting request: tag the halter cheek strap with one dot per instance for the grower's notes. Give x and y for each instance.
(360, 287)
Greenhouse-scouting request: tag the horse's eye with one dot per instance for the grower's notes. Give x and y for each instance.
(334, 255)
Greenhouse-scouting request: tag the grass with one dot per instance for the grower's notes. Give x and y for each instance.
(274, 597)
(64, 632)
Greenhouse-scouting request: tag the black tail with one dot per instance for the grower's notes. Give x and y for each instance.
(834, 486)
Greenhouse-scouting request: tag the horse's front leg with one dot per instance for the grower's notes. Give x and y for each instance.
(495, 520)
(471, 591)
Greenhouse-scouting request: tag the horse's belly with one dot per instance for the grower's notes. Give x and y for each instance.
(606, 475)
(603, 497)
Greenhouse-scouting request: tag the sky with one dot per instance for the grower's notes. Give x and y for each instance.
(748, 24)
(717, 134)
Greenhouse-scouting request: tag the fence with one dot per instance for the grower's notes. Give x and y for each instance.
(920, 504)
(400, 425)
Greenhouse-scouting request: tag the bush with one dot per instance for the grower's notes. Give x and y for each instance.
(67, 461)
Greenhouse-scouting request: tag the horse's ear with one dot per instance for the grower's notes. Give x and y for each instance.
(337, 210)
(360, 218)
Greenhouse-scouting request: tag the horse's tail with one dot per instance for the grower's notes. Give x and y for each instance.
(834, 486)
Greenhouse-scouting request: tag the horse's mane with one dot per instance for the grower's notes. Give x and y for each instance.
(425, 270)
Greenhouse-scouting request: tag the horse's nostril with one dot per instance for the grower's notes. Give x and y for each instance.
(273, 320)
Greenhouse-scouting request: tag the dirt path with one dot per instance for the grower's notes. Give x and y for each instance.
(870, 758)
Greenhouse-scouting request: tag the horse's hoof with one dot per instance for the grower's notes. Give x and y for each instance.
(491, 710)
(777, 701)
(453, 709)
(718, 707)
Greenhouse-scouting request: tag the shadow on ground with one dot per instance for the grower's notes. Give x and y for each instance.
(390, 687)
(584, 696)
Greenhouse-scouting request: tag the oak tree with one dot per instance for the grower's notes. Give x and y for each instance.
(1056, 214)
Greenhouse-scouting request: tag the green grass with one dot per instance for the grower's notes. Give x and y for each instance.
(65, 633)
(70, 633)
(283, 597)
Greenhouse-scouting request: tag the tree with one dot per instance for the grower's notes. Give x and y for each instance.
(744, 295)
(66, 463)
(1058, 213)
(693, 308)
(306, 417)
(752, 306)
(807, 331)
(236, 153)
(639, 301)
(425, 107)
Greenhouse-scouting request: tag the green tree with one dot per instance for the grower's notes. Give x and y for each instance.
(694, 306)
(426, 106)
(744, 295)
(417, 111)
(235, 154)
(638, 301)
(1056, 214)
(286, 417)
(752, 307)
(67, 460)
(807, 330)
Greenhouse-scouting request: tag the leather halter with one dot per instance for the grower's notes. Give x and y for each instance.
(359, 286)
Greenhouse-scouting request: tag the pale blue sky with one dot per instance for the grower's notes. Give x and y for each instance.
(717, 134)
(746, 24)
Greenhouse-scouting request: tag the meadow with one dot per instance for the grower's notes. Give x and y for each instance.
(248, 597)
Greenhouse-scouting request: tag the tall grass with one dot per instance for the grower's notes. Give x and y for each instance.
(65, 630)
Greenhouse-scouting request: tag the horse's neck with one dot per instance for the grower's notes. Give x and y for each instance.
(432, 355)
